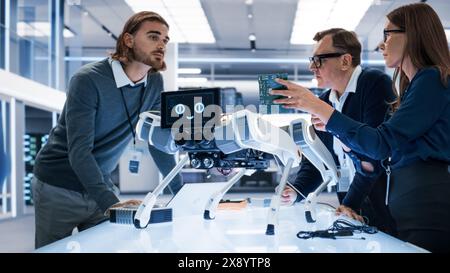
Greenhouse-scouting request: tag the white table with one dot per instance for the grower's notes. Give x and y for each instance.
(232, 231)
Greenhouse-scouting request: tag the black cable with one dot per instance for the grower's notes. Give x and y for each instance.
(224, 171)
(323, 203)
(342, 224)
(339, 228)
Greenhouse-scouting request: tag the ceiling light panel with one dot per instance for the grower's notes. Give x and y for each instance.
(313, 16)
(186, 18)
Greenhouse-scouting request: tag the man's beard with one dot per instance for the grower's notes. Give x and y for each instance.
(149, 60)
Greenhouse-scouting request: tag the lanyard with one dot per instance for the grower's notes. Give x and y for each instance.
(133, 132)
(387, 167)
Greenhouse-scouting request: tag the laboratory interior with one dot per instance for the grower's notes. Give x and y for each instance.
(224, 126)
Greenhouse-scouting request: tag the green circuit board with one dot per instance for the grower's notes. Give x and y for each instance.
(266, 83)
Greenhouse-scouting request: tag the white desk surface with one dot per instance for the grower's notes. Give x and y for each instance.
(232, 231)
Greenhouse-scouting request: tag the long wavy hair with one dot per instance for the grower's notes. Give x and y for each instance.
(426, 43)
(123, 53)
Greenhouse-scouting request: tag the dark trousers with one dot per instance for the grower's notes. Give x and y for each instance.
(419, 201)
(58, 211)
(374, 209)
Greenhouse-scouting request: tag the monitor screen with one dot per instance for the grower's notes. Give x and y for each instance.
(189, 104)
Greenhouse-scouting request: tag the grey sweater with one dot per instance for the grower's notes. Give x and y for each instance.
(93, 131)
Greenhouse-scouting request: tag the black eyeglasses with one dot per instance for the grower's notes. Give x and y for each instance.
(387, 31)
(317, 59)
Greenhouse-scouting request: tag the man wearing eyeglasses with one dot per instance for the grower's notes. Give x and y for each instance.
(363, 95)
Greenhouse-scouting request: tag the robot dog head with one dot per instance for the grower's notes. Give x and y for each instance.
(191, 113)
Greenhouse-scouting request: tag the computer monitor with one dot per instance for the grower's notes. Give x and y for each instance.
(189, 104)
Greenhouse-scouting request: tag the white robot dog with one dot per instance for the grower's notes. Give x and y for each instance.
(244, 140)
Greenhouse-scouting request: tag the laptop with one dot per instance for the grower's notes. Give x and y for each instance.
(191, 199)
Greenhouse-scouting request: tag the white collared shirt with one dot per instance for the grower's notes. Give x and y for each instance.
(120, 77)
(338, 104)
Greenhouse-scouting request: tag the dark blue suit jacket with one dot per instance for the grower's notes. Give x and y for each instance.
(368, 105)
(417, 131)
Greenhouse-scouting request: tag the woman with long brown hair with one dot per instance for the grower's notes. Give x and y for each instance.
(414, 142)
